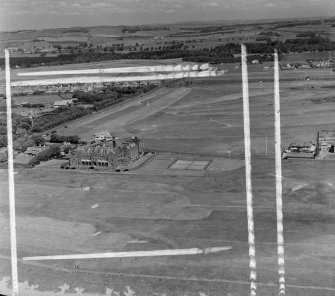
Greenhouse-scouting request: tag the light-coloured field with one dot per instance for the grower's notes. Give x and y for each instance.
(43, 99)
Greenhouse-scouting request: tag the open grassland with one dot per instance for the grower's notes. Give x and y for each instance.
(35, 99)
(156, 207)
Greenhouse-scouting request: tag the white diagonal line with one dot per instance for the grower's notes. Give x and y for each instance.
(154, 253)
(99, 79)
(139, 69)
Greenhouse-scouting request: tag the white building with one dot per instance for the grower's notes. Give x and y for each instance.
(102, 135)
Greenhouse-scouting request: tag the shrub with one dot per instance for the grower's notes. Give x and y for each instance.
(55, 138)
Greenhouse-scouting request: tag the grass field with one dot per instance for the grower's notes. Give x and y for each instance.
(43, 99)
(156, 207)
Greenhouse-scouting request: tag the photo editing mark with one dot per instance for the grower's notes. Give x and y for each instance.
(279, 200)
(247, 151)
(11, 188)
(154, 253)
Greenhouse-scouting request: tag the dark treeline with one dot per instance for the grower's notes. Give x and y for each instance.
(55, 138)
(110, 95)
(220, 54)
(60, 117)
(52, 152)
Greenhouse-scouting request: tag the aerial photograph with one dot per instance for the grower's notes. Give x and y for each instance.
(167, 147)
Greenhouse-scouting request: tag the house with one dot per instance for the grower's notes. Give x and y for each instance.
(287, 67)
(306, 150)
(63, 103)
(103, 135)
(34, 150)
(107, 157)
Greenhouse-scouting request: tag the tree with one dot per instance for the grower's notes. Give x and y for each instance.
(39, 140)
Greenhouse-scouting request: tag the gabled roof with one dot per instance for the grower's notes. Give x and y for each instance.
(101, 151)
(105, 134)
(63, 103)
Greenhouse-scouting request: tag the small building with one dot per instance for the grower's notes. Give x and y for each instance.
(63, 104)
(34, 150)
(287, 67)
(103, 136)
(306, 150)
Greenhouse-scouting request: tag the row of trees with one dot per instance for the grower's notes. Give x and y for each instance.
(55, 138)
(61, 116)
(223, 53)
(52, 152)
(111, 95)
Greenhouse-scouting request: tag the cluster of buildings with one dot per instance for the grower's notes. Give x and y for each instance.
(311, 63)
(108, 154)
(323, 149)
(294, 66)
(69, 87)
(30, 47)
(321, 63)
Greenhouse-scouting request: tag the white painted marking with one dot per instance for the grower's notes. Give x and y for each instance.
(299, 187)
(139, 69)
(154, 253)
(137, 242)
(279, 200)
(99, 79)
(221, 123)
(246, 117)
(15, 285)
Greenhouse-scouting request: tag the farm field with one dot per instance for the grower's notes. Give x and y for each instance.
(159, 207)
(43, 99)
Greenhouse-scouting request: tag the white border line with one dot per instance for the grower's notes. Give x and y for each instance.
(100, 79)
(154, 253)
(11, 190)
(118, 70)
(246, 117)
(279, 200)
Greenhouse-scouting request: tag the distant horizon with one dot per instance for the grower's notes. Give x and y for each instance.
(50, 14)
(173, 23)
